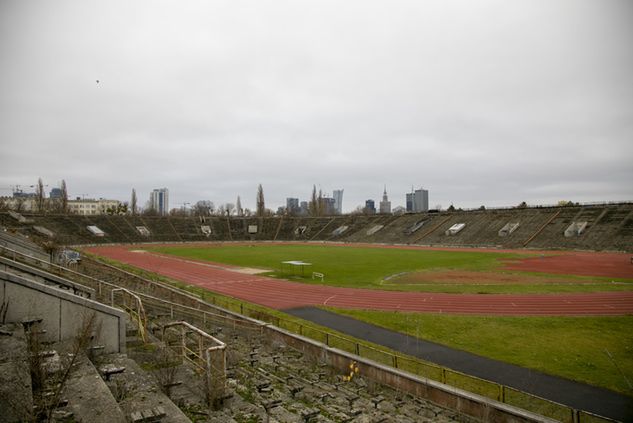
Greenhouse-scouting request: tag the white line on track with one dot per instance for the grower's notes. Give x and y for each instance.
(328, 299)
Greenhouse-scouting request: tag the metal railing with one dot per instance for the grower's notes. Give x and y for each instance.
(209, 359)
(134, 308)
(103, 288)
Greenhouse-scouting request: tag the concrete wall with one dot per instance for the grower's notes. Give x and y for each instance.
(38, 275)
(62, 312)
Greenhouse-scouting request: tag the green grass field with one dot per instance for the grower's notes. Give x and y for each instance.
(344, 266)
(577, 348)
(367, 267)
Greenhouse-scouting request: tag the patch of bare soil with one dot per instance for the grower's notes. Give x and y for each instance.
(460, 277)
(249, 270)
(611, 265)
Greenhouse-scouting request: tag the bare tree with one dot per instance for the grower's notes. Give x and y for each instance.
(359, 210)
(80, 343)
(51, 247)
(203, 208)
(178, 212)
(39, 195)
(42, 377)
(313, 206)
(4, 204)
(119, 209)
(319, 206)
(225, 209)
(133, 204)
(64, 198)
(166, 365)
(261, 208)
(19, 204)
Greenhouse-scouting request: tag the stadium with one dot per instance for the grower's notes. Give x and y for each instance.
(446, 235)
(515, 314)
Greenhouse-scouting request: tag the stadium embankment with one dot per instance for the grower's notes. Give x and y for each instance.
(605, 227)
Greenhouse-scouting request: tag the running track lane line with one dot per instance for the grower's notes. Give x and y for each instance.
(282, 294)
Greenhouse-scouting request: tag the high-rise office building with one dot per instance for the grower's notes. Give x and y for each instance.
(385, 204)
(338, 201)
(370, 207)
(292, 205)
(159, 201)
(418, 201)
(327, 206)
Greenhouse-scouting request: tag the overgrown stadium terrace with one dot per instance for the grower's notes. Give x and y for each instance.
(609, 227)
(533, 271)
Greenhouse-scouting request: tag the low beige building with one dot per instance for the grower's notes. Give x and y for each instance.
(89, 206)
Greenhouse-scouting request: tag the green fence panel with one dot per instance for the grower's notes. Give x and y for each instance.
(375, 355)
(256, 314)
(417, 367)
(313, 333)
(538, 405)
(289, 325)
(585, 417)
(234, 306)
(472, 384)
(342, 343)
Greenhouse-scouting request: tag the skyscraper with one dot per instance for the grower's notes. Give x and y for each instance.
(370, 207)
(292, 205)
(418, 201)
(385, 204)
(327, 206)
(338, 201)
(159, 201)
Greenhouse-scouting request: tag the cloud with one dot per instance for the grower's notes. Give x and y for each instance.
(480, 102)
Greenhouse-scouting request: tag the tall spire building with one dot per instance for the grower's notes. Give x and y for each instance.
(385, 204)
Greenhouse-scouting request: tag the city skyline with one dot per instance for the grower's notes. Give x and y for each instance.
(421, 195)
(485, 103)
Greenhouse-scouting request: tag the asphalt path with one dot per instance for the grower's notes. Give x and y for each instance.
(564, 391)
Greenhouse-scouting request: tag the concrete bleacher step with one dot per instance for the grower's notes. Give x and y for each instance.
(16, 398)
(89, 398)
(132, 336)
(133, 341)
(23, 245)
(138, 394)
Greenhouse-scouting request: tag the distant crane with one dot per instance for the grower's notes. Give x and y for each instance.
(16, 189)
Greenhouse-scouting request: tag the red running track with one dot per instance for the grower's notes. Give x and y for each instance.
(280, 294)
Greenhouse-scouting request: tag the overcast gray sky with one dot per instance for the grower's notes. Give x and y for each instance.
(480, 102)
